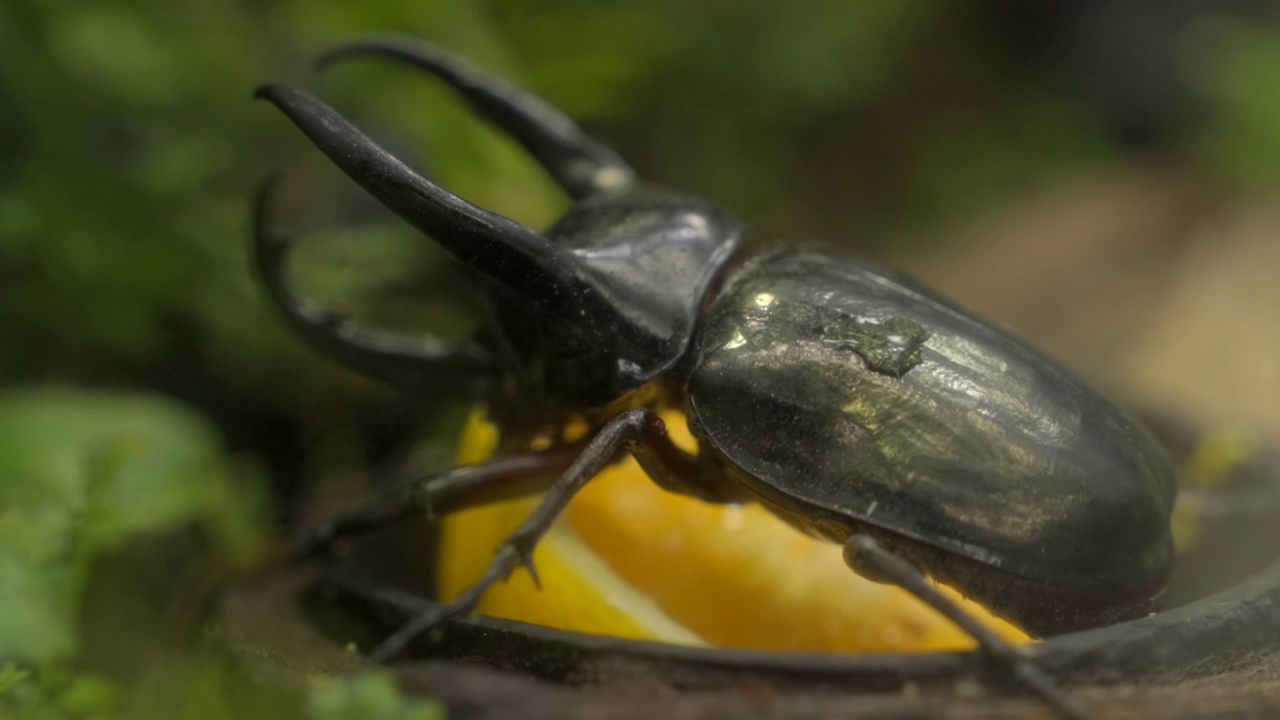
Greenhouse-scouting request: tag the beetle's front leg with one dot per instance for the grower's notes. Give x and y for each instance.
(869, 559)
(516, 475)
(634, 429)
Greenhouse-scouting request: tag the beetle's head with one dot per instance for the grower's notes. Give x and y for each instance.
(645, 257)
(604, 301)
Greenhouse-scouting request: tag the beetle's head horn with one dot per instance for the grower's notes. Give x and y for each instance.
(580, 165)
(621, 278)
(500, 247)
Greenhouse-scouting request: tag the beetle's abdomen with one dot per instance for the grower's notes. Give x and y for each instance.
(838, 389)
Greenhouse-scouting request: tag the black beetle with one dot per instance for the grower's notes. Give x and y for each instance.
(848, 399)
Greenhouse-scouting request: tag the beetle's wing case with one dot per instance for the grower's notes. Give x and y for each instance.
(836, 388)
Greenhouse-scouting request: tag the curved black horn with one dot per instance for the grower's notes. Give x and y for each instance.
(500, 247)
(397, 359)
(581, 165)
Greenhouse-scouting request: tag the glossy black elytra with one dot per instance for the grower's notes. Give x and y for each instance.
(848, 399)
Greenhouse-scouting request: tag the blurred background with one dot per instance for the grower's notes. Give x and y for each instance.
(1100, 176)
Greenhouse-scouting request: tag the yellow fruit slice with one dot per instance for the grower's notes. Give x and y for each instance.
(631, 560)
(579, 590)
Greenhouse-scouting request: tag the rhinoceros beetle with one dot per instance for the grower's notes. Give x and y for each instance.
(848, 399)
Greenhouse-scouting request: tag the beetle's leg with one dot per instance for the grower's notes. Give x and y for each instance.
(673, 469)
(515, 475)
(867, 557)
(625, 430)
(401, 360)
(579, 164)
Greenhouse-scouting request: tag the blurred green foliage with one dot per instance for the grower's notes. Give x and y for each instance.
(131, 145)
(117, 511)
(128, 146)
(90, 480)
(82, 474)
(368, 696)
(128, 149)
(1242, 76)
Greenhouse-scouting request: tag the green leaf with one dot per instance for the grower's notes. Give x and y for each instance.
(1241, 73)
(83, 472)
(10, 675)
(371, 695)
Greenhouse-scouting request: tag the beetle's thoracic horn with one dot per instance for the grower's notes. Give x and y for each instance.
(500, 247)
(581, 165)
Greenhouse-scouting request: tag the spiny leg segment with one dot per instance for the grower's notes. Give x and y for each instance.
(867, 557)
(515, 475)
(624, 431)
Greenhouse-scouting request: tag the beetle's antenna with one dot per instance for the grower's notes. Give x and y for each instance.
(400, 360)
(500, 247)
(581, 165)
